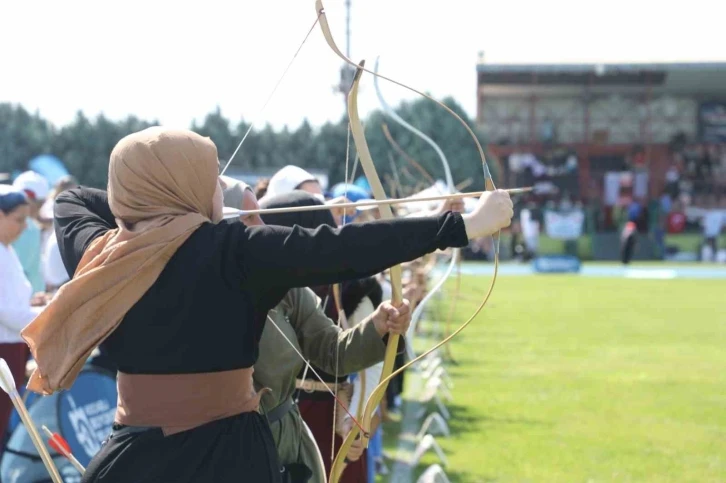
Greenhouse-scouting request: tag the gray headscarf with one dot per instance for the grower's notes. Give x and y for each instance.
(235, 191)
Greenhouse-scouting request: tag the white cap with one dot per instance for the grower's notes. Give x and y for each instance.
(7, 189)
(33, 182)
(287, 179)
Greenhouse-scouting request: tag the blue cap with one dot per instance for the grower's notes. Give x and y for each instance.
(352, 192)
(11, 198)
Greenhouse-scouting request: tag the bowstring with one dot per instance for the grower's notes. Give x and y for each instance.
(340, 308)
(488, 175)
(269, 319)
(272, 93)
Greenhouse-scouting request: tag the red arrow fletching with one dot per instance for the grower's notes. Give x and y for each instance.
(58, 443)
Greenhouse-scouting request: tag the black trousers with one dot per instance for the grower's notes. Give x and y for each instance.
(232, 450)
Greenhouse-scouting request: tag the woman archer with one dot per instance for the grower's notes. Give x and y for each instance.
(179, 302)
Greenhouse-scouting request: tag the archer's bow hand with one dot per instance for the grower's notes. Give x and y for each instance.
(493, 212)
(393, 320)
(356, 451)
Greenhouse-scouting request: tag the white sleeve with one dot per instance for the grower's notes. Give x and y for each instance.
(14, 314)
(53, 268)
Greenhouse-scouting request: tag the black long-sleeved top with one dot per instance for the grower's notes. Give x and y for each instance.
(206, 310)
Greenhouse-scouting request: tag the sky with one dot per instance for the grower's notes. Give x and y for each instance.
(175, 61)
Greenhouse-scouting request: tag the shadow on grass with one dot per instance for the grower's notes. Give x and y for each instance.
(464, 420)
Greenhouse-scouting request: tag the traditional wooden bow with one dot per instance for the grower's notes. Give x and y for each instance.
(373, 179)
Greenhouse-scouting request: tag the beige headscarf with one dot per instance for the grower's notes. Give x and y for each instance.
(165, 179)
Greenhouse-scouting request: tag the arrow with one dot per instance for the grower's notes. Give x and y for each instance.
(59, 444)
(233, 213)
(7, 382)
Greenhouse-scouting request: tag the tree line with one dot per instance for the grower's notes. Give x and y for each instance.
(84, 144)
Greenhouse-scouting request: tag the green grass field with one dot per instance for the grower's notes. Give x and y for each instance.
(572, 379)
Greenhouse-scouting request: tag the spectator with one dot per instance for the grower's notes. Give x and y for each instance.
(45, 214)
(54, 272)
(348, 193)
(638, 214)
(292, 178)
(673, 177)
(18, 306)
(704, 163)
(531, 221)
(28, 246)
(712, 224)
(676, 219)
(639, 161)
(261, 186)
(628, 240)
(665, 204)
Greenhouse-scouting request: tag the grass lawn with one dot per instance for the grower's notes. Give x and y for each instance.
(569, 379)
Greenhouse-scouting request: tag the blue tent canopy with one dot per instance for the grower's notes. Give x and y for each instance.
(48, 166)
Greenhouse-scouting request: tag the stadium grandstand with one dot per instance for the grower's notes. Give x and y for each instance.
(616, 143)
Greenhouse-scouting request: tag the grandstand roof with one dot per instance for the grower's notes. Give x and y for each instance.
(701, 79)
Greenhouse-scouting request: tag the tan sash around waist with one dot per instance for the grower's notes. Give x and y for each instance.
(179, 402)
(308, 385)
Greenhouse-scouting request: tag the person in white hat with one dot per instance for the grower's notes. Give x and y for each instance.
(292, 178)
(29, 246)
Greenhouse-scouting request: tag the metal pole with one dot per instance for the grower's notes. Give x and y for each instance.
(347, 28)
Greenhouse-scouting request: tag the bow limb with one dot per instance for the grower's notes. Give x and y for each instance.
(377, 188)
(393, 115)
(397, 147)
(380, 389)
(325, 28)
(386, 213)
(418, 312)
(369, 168)
(396, 178)
(452, 308)
(361, 401)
